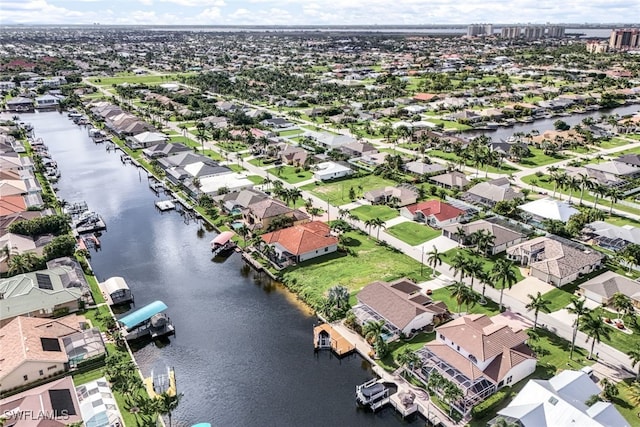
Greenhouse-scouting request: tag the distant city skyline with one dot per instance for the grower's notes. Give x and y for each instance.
(313, 12)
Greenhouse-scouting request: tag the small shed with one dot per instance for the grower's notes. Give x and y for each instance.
(116, 291)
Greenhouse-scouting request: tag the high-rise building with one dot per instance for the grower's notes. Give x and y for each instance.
(510, 32)
(628, 38)
(533, 32)
(597, 46)
(475, 30)
(555, 31)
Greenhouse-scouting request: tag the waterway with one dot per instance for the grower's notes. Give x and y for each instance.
(243, 351)
(503, 133)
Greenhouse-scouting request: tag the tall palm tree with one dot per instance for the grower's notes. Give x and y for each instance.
(463, 294)
(503, 274)
(434, 259)
(537, 303)
(578, 308)
(600, 190)
(614, 194)
(451, 393)
(461, 235)
(458, 262)
(167, 403)
(585, 183)
(338, 297)
(573, 184)
(408, 358)
(634, 393)
(634, 355)
(595, 328)
(378, 223)
(621, 303)
(472, 268)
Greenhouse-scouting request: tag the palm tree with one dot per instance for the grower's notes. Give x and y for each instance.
(578, 308)
(372, 330)
(503, 422)
(621, 303)
(503, 274)
(378, 223)
(585, 182)
(573, 184)
(634, 355)
(458, 262)
(408, 358)
(451, 393)
(167, 403)
(595, 328)
(472, 268)
(634, 393)
(338, 297)
(614, 194)
(461, 235)
(609, 389)
(600, 190)
(434, 259)
(536, 304)
(463, 295)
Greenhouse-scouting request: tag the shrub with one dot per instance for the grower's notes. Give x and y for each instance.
(487, 407)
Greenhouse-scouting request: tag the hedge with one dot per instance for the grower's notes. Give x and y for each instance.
(487, 407)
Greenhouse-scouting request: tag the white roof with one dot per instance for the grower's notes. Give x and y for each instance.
(146, 137)
(560, 402)
(232, 181)
(327, 168)
(114, 284)
(550, 209)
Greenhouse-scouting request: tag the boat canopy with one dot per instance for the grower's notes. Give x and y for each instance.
(143, 314)
(222, 238)
(372, 390)
(114, 284)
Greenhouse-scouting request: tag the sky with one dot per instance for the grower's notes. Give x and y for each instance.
(315, 12)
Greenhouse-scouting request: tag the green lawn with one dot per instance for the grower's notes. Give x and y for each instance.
(395, 347)
(621, 221)
(136, 79)
(383, 212)
(366, 262)
(184, 140)
(337, 192)
(79, 379)
(450, 125)
(444, 295)
(618, 339)
(233, 146)
(95, 289)
(256, 179)
(413, 233)
(487, 263)
(291, 174)
(613, 142)
(538, 158)
(292, 132)
(622, 403)
(504, 168)
(561, 297)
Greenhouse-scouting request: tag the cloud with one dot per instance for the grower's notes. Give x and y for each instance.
(197, 3)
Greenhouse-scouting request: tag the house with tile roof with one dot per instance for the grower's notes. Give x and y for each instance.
(561, 402)
(302, 242)
(402, 304)
(164, 149)
(260, 215)
(56, 401)
(603, 287)
(402, 195)
(12, 205)
(504, 236)
(451, 180)
(488, 193)
(555, 260)
(479, 356)
(35, 348)
(434, 212)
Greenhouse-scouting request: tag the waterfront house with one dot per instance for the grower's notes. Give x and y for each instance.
(603, 287)
(43, 293)
(548, 208)
(53, 404)
(145, 140)
(164, 149)
(98, 405)
(15, 244)
(331, 170)
(555, 260)
(561, 401)
(301, 242)
(433, 212)
(504, 236)
(478, 356)
(12, 205)
(47, 101)
(19, 104)
(231, 182)
(398, 196)
(35, 348)
(261, 214)
(234, 202)
(12, 161)
(277, 123)
(402, 304)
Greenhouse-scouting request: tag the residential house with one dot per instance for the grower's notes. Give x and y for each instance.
(232, 182)
(12, 161)
(548, 209)
(293, 155)
(302, 242)
(47, 101)
(277, 123)
(145, 140)
(12, 205)
(15, 244)
(561, 401)
(488, 193)
(424, 169)
(398, 196)
(479, 356)
(164, 149)
(612, 173)
(451, 180)
(402, 305)
(612, 237)
(433, 212)
(35, 348)
(260, 215)
(603, 287)
(56, 401)
(42, 293)
(331, 170)
(504, 236)
(629, 159)
(19, 104)
(216, 122)
(358, 149)
(555, 260)
(234, 202)
(330, 140)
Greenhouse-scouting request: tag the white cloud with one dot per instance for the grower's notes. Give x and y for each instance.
(197, 3)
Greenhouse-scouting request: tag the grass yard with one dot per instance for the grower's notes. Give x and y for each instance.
(256, 179)
(136, 79)
(98, 298)
(184, 140)
(383, 212)
(291, 174)
(622, 403)
(291, 132)
(413, 233)
(621, 221)
(613, 142)
(618, 339)
(416, 343)
(450, 125)
(487, 263)
(561, 297)
(538, 158)
(504, 168)
(365, 262)
(79, 379)
(444, 294)
(337, 192)
(233, 146)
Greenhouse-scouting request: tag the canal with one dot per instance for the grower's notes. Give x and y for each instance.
(503, 133)
(243, 352)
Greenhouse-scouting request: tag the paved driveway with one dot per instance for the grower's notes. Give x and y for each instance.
(442, 243)
(530, 285)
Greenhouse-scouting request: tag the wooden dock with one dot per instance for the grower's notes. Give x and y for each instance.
(325, 337)
(165, 205)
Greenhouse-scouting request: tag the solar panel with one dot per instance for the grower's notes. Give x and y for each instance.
(50, 344)
(44, 281)
(61, 402)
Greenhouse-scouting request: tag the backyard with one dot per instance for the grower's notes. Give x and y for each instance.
(383, 212)
(487, 262)
(291, 174)
(413, 233)
(337, 192)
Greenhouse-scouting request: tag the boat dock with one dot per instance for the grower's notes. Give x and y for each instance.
(165, 205)
(149, 320)
(325, 337)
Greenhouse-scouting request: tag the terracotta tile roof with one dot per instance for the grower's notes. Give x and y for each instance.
(20, 340)
(455, 359)
(303, 238)
(440, 210)
(12, 204)
(479, 336)
(501, 365)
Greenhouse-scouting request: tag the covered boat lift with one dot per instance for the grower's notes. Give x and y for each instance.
(116, 291)
(149, 320)
(223, 243)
